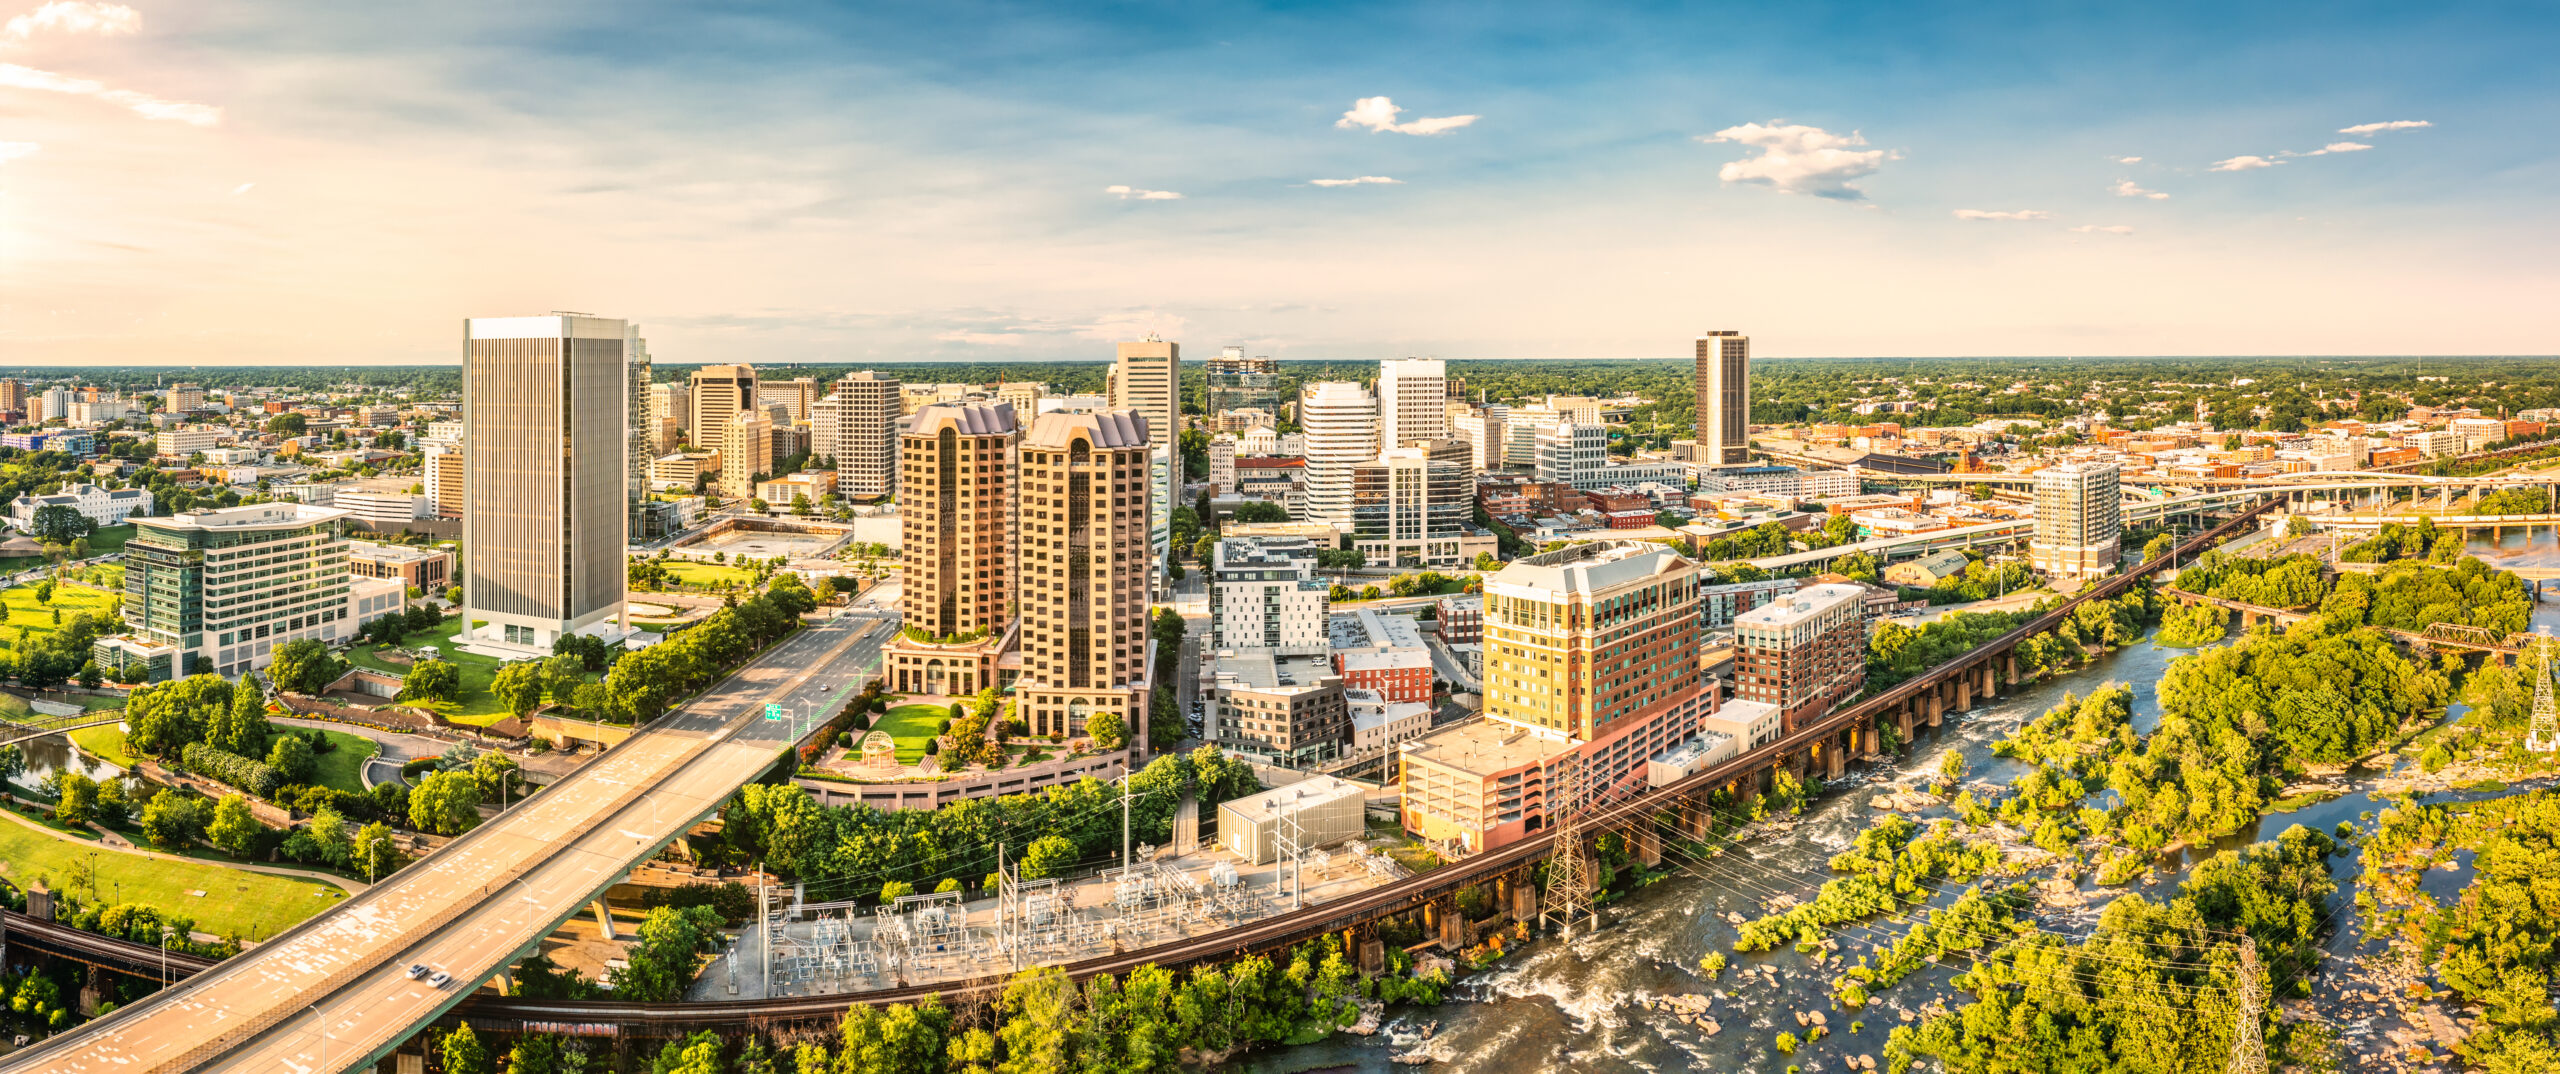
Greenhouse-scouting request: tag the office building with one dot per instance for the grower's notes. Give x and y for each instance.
(1341, 423)
(1483, 433)
(1378, 724)
(441, 470)
(1591, 665)
(544, 518)
(13, 396)
(218, 590)
(1804, 652)
(2079, 521)
(855, 428)
(1381, 653)
(1264, 595)
(1147, 381)
(53, 405)
(1573, 454)
(1222, 464)
(1413, 401)
(639, 436)
(1411, 510)
(183, 397)
(428, 569)
(1289, 708)
(796, 396)
(1724, 399)
(685, 471)
(1236, 382)
(1085, 572)
(381, 508)
(956, 522)
(669, 402)
(716, 395)
(1024, 395)
(747, 457)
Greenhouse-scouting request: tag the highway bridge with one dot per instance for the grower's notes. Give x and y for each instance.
(332, 993)
(1886, 549)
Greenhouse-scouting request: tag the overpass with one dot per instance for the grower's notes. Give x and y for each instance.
(1920, 544)
(331, 994)
(1828, 741)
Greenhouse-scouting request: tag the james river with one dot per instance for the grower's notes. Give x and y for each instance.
(1580, 1007)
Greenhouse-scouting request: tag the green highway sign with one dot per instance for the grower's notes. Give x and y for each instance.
(773, 710)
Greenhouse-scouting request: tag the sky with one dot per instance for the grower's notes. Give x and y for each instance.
(253, 181)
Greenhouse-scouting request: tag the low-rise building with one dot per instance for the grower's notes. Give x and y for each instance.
(1289, 708)
(105, 507)
(1319, 811)
(381, 507)
(1928, 571)
(1263, 594)
(1461, 619)
(430, 570)
(1803, 654)
(1377, 723)
(1382, 653)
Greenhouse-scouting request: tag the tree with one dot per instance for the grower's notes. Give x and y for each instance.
(670, 947)
(289, 424)
(1039, 1018)
(536, 1054)
(1107, 729)
(305, 666)
(1261, 511)
(800, 504)
(75, 797)
(59, 523)
(697, 1054)
(374, 851)
(899, 1039)
(2157, 547)
(496, 774)
(519, 685)
(446, 803)
(292, 759)
(234, 828)
(757, 505)
(171, 820)
(1205, 549)
(1048, 856)
(461, 1049)
(431, 680)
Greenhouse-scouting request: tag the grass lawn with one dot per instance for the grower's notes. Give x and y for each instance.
(106, 744)
(342, 768)
(478, 707)
(710, 575)
(254, 905)
(35, 618)
(912, 726)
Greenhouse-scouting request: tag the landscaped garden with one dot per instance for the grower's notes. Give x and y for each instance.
(33, 616)
(913, 725)
(234, 901)
(475, 704)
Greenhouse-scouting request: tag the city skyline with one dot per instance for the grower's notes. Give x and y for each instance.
(259, 184)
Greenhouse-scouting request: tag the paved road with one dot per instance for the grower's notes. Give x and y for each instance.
(332, 995)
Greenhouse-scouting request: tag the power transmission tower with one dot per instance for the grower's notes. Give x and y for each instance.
(1568, 874)
(2544, 736)
(2248, 1050)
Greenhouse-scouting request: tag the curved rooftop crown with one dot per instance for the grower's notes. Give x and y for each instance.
(1103, 428)
(967, 419)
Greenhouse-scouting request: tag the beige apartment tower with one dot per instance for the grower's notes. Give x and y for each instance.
(956, 464)
(747, 455)
(1413, 401)
(545, 401)
(715, 396)
(2079, 521)
(1086, 569)
(856, 427)
(1724, 399)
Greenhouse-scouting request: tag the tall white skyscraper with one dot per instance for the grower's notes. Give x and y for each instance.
(2079, 520)
(855, 428)
(1147, 379)
(1413, 401)
(1724, 399)
(1341, 423)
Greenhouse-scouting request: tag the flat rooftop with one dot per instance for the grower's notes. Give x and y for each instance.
(1483, 746)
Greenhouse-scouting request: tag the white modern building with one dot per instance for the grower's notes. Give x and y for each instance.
(856, 425)
(1573, 454)
(1413, 401)
(219, 590)
(1265, 596)
(1341, 423)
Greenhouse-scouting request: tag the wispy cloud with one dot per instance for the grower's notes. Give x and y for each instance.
(2333, 147)
(2243, 163)
(1359, 181)
(142, 104)
(1799, 159)
(2127, 188)
(2128, 160)
(1139, 193)
(1379, 115)
(242, 188)
(72, 17)
(2377, 128)
(2003, 214)
(2104, 229)
(10, 151)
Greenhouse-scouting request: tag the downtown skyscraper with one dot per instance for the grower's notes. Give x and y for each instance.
(1086, 571)
(1724, 399)
(545, 403)
(956, 531)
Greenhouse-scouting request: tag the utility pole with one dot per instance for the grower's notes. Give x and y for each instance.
(1568, 876)
(764, 932)
(2248, 1050)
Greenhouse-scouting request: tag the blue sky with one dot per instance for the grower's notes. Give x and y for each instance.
(271, 182)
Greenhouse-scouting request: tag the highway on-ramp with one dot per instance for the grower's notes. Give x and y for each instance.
(333, 994)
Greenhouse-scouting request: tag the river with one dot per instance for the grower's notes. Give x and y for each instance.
(1578, 1006)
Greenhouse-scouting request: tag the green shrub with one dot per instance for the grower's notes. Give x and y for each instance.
(238, 771)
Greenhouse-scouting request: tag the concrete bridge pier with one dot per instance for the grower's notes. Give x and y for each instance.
(1647, 842)
(1964, 692)
(1929, 704)
(2010, 662)
(1835, 756)
(1902, 721)
(1524, 899)
(604, 920)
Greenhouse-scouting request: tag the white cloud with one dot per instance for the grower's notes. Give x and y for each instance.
(1140, 193)
(1798, 159)
(2128, 160)
(1379, 115)
(2003, 214)
(2394, 125)
(2104, 229)
(985, 339)
(2243, 163)
(143, 104)
(2338, 147)
(1378, 179)
(10, 151)
(242, 188)
(2127, 188)
(73, 17)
